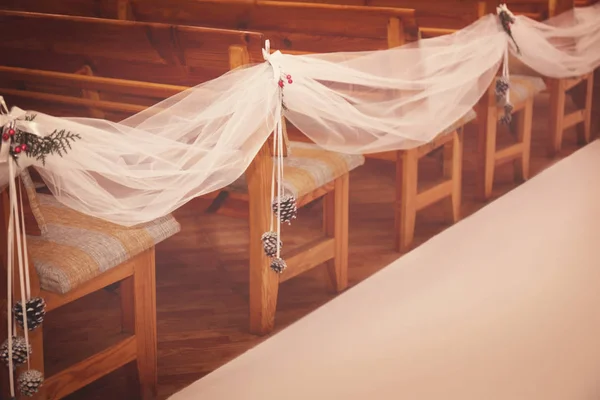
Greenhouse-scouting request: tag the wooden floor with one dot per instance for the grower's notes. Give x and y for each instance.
(202, 277)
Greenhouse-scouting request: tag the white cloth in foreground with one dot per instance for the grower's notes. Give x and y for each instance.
(502, 306)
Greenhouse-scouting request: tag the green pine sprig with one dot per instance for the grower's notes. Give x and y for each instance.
(58, 142)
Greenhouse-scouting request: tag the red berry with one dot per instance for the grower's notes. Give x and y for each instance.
(280, 83)
(288, 77)
(5, 137)
(11, 131)
(18, 149)
(290, 81)
(24, 147)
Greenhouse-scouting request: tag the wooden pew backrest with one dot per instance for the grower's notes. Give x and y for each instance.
(291, 27)
(153, 52)
(130, 65)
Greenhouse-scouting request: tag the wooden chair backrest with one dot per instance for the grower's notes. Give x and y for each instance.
(87, 8)
(291, 27)
(118, 67)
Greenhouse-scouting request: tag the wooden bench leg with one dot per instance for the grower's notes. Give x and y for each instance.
(584, 130)
(335, 223)
(406, 198)
(524, 121)
(264, 283)
(557, 115)
(488, 128)
(453, 170)
(144, 289)
(127, 294)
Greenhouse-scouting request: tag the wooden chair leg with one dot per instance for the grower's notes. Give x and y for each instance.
(144, 290)
(524, 122)
(127, 294)
(487, 151)
(264, 283)
(453, 156)
(557, 115)
(406, 198)
(335, 224)
(584, 130)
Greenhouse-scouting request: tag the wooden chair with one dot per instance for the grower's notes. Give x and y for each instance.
(523, 91)
(75, 255)
(202, 48)
(581, 87)
(300, 28)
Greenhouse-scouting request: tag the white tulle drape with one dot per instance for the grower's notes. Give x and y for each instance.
(203, 139)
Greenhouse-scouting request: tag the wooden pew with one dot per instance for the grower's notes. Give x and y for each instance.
(580, 88)
(146, 62)
(300, 28)
(193, 63)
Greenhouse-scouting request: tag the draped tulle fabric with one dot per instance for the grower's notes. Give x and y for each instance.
(203, 139)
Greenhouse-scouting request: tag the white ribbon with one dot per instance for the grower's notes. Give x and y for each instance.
(273, 59)
(16, 227)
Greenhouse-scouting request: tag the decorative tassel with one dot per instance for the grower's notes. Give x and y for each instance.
(507, 18)
(20, 351)
(278, 265)
(283, 206)
(502, 87)
(29, 382)
(288, 208)
(36, 310)
(269, 240)
(507, 117)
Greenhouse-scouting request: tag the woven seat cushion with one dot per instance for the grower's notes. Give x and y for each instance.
(523, 87)
(75, 247)
(308, 167)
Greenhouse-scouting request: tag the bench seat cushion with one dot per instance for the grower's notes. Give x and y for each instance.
(75, 247)
(308, 167)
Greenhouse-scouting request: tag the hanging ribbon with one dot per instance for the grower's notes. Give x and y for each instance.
(10, 124)
(503, 83)
(283, 206)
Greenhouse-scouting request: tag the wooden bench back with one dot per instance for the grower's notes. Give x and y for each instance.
(109, 63)
(87, 8)
(291, 27)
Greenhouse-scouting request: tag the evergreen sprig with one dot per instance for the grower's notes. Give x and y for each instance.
(58, 142)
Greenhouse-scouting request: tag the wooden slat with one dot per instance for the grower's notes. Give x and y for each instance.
(139, 88)
(433, 194)
(88, 8)
(91, 369)
(508, 153)
(74, 101)
(290, 26)
(307, 257)
(573, 118)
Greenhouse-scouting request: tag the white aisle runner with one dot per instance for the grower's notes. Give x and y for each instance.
(504, 305)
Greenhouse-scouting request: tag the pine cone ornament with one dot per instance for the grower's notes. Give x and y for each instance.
(507, 117)
(20, 351)
(278, 265)
(288, 208)
(30, 382)
(502, 86)
(269, 240)
(36, 310)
